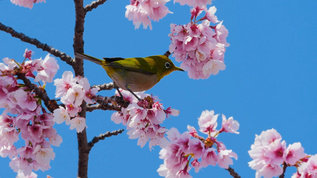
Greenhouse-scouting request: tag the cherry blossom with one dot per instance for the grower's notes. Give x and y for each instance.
(143, 119)
(26, 3)
(269, 153)
(143, 11)
(78, 123)
(229, 125)
(25, 118)
(200, 46)
(47, 69)
(189, 150)
(307, 169)
(73, 91)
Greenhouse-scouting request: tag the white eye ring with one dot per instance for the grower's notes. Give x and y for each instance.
(167, 65)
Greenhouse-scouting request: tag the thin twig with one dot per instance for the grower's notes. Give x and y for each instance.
(103, 107)
(69, 60)
(50, 104)
(107, 103)
(233, 173)
(106, 86)
(96, 139)
(93, 5)
(167, 53)
(284, 170)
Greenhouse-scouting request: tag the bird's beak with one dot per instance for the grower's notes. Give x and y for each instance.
(180, 69)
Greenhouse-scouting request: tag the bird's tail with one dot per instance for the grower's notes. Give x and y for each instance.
(90, 58)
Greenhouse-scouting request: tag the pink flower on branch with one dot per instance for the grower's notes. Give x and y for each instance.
(24, 115)
(143, 11)
(73, 91)
(269, 154)
(200, 46)
(143, 119)
(26, 3)
(188, 150)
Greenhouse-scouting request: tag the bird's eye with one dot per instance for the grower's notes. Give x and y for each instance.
(167, 65)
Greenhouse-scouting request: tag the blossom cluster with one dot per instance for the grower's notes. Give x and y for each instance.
(188, 149)
(269, 152)
(142, 11)
(24, 116)
(72, 91)
(308, 168)
(200, 46)
(26, 3)
(143, 119)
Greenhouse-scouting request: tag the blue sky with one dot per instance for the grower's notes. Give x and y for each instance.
(269, 81)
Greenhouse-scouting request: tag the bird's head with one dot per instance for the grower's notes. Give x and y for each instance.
(165, 66)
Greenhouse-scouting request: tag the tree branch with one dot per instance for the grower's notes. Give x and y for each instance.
(103, 107)
(69, 60)
(94, 5)
(105, 86)
(233, 173)
(103, 136)
(103, 103)
(78, 45)
(50, 104)
(284, 170)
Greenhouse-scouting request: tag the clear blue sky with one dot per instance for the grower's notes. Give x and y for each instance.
(269, 82)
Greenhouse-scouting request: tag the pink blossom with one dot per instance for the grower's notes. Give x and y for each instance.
(208, 121)
(26, 3)
(43, 155)
(78, 123)
(10, 62)
(221, 34)
(142, 11)
(8, 133)
(309, 168)
(47, 70)
(34, 133)
(30, 66)
(269, 170)
(209, 157)
(25, 100)
(172, 112)
(21, 175)
(210, 15)
(8, 150)
(197, 148)
(64, 84)
(194, 3)
(188, 149)
(199, 46)
(224, 158)
(61, 115)
(143, 119)
(27, 54)
(24, 115)
(173, 134)
(294, 153)
(55, 140)
(213, 67)
(19, 164)
(269, 153)
(75, 96)
(89, 92)
(229, 125)
(192, 131)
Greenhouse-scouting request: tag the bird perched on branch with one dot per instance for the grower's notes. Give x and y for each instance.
(135, 74)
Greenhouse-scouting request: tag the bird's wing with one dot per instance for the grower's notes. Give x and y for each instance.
(132, 64)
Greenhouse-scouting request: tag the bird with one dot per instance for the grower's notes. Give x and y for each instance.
(137, 73)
